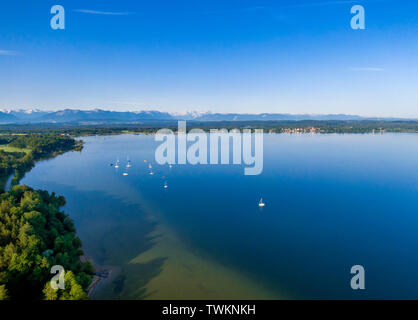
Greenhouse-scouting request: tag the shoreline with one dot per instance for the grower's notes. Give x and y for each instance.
(103, 276)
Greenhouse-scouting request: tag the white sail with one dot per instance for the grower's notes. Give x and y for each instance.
(129, 162)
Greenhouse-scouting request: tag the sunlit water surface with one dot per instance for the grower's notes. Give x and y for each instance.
(332, 201)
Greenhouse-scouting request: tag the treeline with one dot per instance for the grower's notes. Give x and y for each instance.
(39, 146)
(42, 145)
(34, 236)
(84, 130)
(325, 126)
(17, 162)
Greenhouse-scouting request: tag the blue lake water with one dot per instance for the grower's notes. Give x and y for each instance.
(332, 201)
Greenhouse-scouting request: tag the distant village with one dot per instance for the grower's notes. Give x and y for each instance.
(301, 130)
(314, 130)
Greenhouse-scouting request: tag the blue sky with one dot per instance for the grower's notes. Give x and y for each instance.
(290, 56)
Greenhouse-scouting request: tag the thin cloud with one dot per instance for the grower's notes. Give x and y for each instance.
(324, 3)
(8, 53)
(332, 2)
(104, 13)
(372, 69)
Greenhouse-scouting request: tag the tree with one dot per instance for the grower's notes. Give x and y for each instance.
(34, 236)
(49, 292)
(3, 293)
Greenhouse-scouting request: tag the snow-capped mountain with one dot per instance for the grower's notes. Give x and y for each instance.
(104, 116)
(80, 116)
(188, 115)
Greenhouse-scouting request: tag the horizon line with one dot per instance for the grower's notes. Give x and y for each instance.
(8, 110)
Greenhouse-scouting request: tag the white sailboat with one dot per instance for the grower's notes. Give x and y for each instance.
(261, 203)
(165, 185)
(129, 164)
(117, 164)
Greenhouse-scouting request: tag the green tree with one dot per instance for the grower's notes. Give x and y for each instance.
(34, 236)
(3, 293)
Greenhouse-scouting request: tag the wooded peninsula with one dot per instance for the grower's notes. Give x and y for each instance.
(34, 233)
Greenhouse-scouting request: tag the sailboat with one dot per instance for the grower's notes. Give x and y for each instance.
(165, 185)
(117, 164)
(129, 163)
(261, 203)
(125, 173)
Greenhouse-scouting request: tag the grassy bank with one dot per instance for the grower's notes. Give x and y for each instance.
(8, 148)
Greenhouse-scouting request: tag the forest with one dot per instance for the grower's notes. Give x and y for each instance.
(276, 126)
(19, 152)
(34, 236)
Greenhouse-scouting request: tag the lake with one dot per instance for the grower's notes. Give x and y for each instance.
(332, 202)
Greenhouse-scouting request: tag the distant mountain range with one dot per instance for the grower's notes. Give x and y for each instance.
(103, 116)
